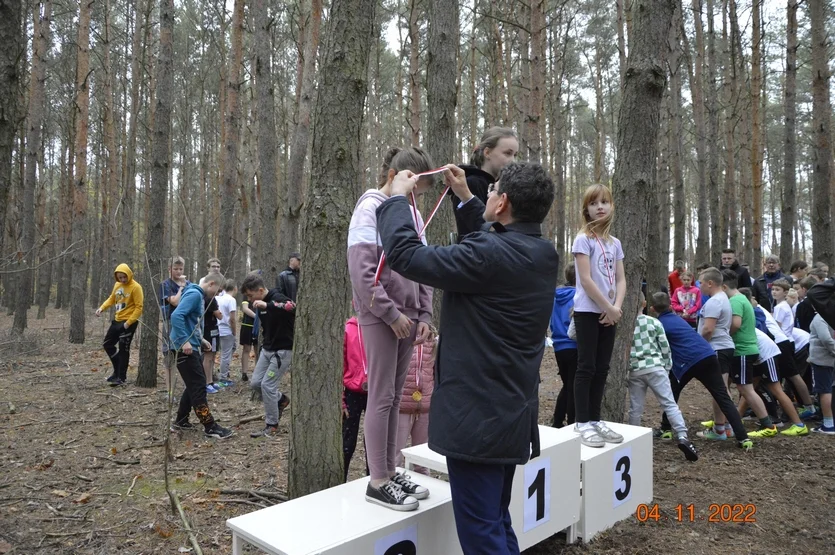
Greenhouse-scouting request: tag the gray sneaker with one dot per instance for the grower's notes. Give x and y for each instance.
(608, 435)
(589, 436)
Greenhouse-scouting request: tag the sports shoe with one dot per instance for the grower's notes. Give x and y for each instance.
(711, 434)
(589, 436)
(828, 430)
(244, 377)
(807, 414)
(708, 423)
(608, 435)
(111, 378)
(211, 389)
(182, 426)
(746, 444)
(688, 449)
(219, 432)
(283, 404)
(409, 487)
(764, 432)
(117, 382)
(729, 431)
(666, 435)
(390, 495)
(267, 431)
(795, 430)
(225, 382)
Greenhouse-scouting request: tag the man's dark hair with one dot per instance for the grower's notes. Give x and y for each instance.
(730, 278)
(702, 267)
(529, 189)
(295, 255)
(746, 292)
(570, 275)
(252, 282)
(808, 282)
(798, 265)
(660, 302)
(728, 251)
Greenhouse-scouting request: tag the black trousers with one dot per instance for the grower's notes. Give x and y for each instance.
(594, 352)
(567, 365)
(119, 336)
(190, 368)
(707, 371)
(356, 403)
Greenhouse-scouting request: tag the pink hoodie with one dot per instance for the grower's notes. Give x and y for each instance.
(687, 300)
(394, 295)
(421, 377)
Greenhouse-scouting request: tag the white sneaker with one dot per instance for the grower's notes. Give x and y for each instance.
(589, 436)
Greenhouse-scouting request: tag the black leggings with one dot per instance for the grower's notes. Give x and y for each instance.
(567, 365)
(119, 335)
(594, 351)
(707, 371)
(356, 403)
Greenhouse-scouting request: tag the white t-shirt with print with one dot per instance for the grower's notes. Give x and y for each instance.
(603, 265)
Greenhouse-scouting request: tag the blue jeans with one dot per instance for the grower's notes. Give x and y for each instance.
(480, 502)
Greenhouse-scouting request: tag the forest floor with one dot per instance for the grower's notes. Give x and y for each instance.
(81, 467)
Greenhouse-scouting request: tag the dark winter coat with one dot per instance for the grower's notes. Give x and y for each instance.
(762, 289)
(278, 323)
(498, 288)
(288, 283)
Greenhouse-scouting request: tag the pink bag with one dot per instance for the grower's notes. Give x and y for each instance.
(355, 371)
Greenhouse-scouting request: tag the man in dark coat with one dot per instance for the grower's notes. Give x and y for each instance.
(287, 282)
(730, 262)
(498, 285)
(762, 285)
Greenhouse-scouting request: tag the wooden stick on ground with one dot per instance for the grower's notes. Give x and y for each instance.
(175, 501)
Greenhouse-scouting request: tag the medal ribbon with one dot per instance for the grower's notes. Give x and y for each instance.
(606, 262)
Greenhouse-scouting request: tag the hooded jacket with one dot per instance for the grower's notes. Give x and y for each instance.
(128, 298)
(187, 319)
(561, 317)
(421, 377)
(478, 182)
(394, 294)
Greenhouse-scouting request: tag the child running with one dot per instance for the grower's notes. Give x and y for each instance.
(394, 314)
(128, 298)
(601, 287)
(649, 362)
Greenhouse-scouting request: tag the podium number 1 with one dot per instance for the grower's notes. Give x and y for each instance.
(537, 493)
(622, 476)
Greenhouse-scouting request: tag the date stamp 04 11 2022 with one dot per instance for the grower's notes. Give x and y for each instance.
(717, 512)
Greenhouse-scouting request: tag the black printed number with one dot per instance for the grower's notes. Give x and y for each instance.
(538, 487)
(403, 547)
(623, 466)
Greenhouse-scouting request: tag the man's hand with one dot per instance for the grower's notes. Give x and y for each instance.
(402, 327)
(206, 345)
(98, 312)
(457, 181)
(187, 350)
(404, 183)
(259, 304)
(424, 332)
(289, 306)
(125, 325)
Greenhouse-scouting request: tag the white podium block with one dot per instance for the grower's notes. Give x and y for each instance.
(339, 521)
(615, 479)
(546, 491)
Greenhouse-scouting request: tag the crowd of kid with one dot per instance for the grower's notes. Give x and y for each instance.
(715, 325)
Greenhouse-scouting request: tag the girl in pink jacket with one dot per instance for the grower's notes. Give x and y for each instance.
(686, 301)
(414, 403)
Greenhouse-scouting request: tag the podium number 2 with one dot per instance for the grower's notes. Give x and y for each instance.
(622, 477)
(537, 493)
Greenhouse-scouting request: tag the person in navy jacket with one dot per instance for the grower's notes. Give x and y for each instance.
(498, 288)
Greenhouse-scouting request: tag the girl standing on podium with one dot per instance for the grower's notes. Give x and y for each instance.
(394, 314)
(601, 288)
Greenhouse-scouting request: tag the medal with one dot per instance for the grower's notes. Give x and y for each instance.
(364, 386)
(417, 396)
(611, 294)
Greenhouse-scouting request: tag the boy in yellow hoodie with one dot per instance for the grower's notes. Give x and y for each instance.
(128, 298)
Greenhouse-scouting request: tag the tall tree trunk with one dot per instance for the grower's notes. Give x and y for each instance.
(441, 78)
(599, 121)
(47, 251)
(79, 220)
(789, 205)
(288, 240)
(633, 179)
(415, 85)
(34, 124)
(621, 40)
(756, 135)
(111, 162)
(712, 109)
(822, 245)
(315, 426)
(537, 81)
(11, 37)
(695, 69)
(160, 164)
(267, 151)
(229, 189)
(676, 127)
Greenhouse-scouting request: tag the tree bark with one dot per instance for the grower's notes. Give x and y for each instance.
(415, 85)
(789, 205)
(11, 37)
(160, 163)
(621, 40)
(634, 176)
(315, 426)
(756, 135)
(676, 127)
(695, 65)
(288, 240)
(79, 223)
(34, 124)
(537, 82)
(713, 146)
(822, 245)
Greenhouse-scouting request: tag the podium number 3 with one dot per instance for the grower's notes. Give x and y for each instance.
(623, 476)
